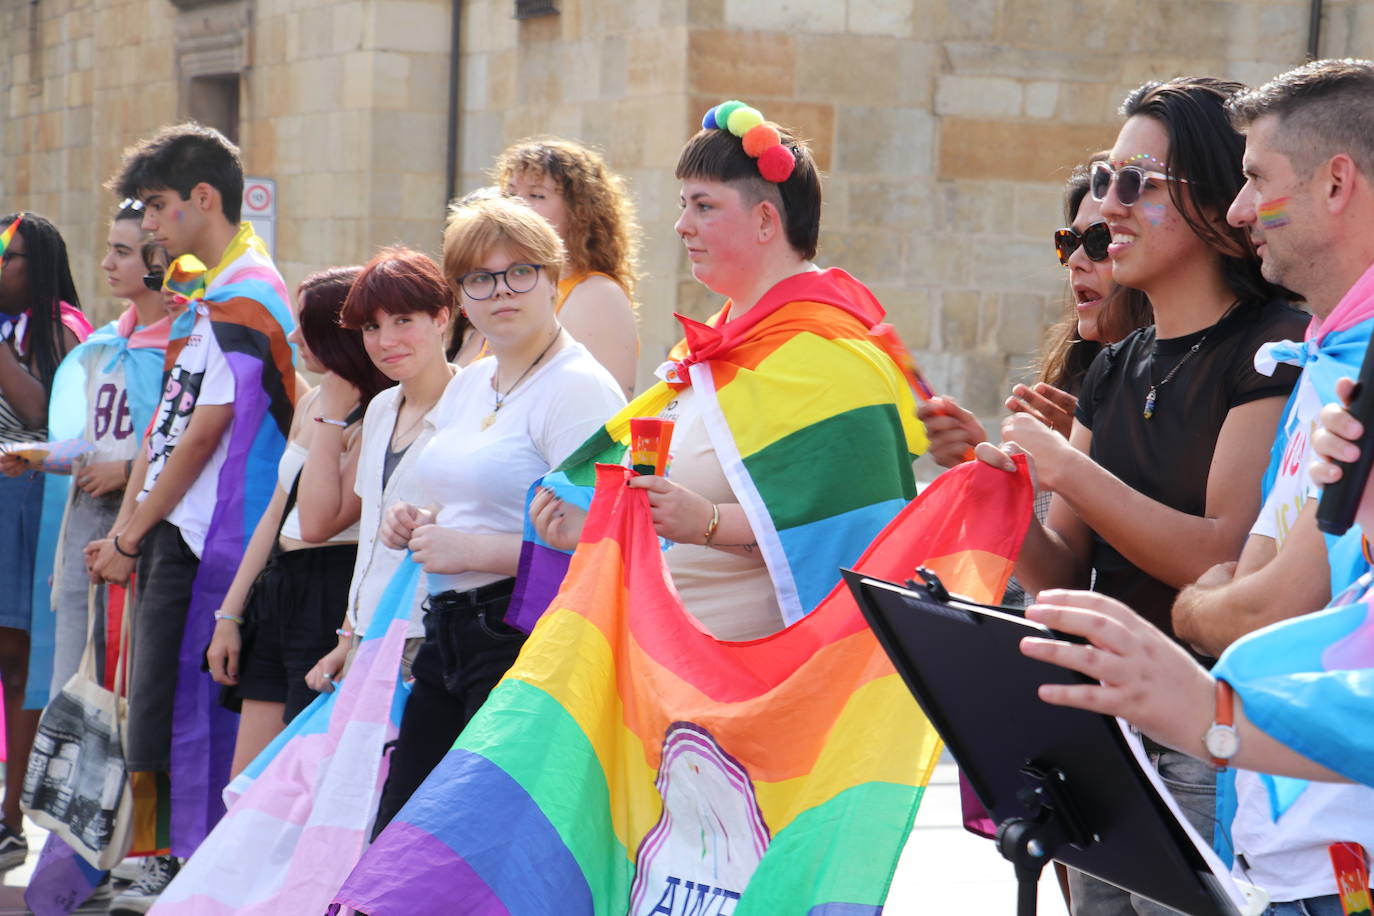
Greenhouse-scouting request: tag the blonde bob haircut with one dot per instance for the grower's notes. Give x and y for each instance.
(477, 227)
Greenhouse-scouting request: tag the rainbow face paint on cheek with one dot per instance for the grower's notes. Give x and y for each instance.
(1274, 213)
(1154, 213)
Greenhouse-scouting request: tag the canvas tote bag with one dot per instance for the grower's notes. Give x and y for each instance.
(76, 785)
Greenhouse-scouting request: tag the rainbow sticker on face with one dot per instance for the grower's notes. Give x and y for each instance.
(1154, 213)
(8, 235)
(1274, 213)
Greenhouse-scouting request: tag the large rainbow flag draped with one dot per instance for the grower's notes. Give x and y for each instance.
(246, 300)
(795, 392)
(631, 763)
(305, 806)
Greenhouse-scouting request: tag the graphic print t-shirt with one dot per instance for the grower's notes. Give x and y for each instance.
(200, 375)
(109, 423)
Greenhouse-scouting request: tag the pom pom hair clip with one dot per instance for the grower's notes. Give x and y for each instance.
(761, 140)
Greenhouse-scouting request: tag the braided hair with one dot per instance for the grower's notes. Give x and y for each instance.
(50, 283)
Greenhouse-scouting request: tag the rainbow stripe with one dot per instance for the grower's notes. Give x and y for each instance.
(629, 762)
(1274, 213)
(814, 424)
(8, 235)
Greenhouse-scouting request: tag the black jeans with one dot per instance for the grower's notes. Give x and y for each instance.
(467, 649)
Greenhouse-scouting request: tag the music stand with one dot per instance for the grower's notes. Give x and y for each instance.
(1060, 783)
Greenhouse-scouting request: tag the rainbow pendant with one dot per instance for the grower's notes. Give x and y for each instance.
(1150, 403)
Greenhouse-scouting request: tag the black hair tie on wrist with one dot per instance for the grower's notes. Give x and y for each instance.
(124, 553)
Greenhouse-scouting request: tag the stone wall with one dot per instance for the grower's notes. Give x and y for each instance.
(945, 127)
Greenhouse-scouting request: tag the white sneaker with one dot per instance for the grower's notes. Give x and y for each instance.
(138, 898)
(127, 872)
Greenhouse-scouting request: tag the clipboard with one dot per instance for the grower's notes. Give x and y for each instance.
(1061, 783)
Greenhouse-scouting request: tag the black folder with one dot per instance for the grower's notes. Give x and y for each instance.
(962, 662)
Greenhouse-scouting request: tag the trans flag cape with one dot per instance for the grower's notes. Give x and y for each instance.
(1332, 349)
(629, 763)
(1309, 682)
(247, 304)
(43, 629)
(304, 807)
(795, 393)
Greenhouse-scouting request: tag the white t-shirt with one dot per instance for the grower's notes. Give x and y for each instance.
(376, 562)
(109, 424)
(1289, 858)
(731, 596)
(477, 477)
(200, 376)
(1292, 486)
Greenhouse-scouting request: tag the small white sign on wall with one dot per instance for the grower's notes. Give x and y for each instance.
(260, 209)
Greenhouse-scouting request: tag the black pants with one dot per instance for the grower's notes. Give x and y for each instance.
(467, 649)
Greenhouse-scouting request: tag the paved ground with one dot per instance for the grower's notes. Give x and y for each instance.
(945, 869)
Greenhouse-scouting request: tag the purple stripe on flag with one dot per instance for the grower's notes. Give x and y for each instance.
(524, 878)
(537, 581)
(844, 909)
(450, 886)
(61, 880)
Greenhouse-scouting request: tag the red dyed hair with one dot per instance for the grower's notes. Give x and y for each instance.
(397, 281)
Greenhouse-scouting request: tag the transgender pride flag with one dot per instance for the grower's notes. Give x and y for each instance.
(304, 807)
(1309, 682)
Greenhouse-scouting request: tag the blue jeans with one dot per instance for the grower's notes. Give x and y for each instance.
(1328, 905)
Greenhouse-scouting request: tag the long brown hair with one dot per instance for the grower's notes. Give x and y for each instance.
(1065, 355)
(602, 233)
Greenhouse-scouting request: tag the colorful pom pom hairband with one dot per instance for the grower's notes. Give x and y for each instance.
(761, 141)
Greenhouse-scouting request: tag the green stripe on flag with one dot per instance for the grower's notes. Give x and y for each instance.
(534, 739)
(580, 466)
(855, 446)
(842, 851)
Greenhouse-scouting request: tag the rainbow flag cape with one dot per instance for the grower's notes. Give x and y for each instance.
(305, 806)
(246, 300)
(631, 763)
(796, 393)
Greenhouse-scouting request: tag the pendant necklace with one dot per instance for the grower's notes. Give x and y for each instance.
(501, 398)
(1150, 396)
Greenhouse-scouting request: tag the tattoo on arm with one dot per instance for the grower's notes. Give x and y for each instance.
(747, 548)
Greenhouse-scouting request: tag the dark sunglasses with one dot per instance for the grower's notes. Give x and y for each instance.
(1094, 240)
(153, 280)
(1131, 181)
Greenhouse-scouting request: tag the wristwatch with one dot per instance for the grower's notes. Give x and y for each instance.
(1222, 740)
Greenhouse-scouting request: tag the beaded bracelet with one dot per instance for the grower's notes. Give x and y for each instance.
(224, 615)
(343, 632)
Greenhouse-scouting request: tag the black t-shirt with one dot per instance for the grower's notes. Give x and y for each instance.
(1168, 456)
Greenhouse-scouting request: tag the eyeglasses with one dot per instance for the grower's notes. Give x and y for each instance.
(1094, 240)
(1131, 181)
(153, 280)
(481, 284)
(130, 203)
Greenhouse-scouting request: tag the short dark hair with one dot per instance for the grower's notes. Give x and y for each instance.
(180, 157)
(398, 281)
(1324, 108)
(718, 155)
(1206, 150)
(322, 296)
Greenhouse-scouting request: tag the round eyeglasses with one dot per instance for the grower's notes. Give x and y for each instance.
(481, 284)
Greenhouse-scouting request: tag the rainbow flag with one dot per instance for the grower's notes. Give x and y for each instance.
(246, 300)
(630, 763)
(814, 424)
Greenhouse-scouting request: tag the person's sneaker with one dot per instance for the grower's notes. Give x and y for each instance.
(14, 849)
(127, 872)
(138, 898)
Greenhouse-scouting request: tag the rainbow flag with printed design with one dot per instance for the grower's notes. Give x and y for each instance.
(813, 422)
(629, 763)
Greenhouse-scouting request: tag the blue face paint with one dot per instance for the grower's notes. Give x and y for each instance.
(1154, 213)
